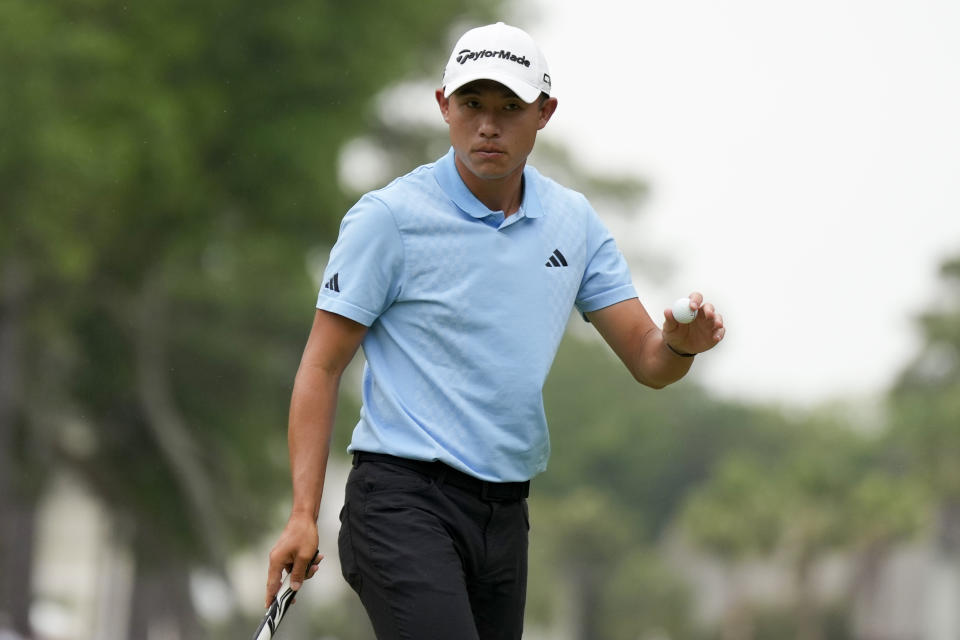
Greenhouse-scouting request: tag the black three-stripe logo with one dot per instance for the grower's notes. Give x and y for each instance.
(333, 283)
(557, 259)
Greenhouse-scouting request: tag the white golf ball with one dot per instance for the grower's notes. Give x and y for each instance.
(682, 312)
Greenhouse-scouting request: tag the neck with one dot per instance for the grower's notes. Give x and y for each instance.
(497, 194)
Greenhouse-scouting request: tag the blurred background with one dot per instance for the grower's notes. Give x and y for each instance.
(173, 174)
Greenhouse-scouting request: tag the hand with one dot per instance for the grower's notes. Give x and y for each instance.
(294, 551)
(702, 334)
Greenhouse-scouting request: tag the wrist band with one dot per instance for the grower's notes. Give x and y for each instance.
(679, 353)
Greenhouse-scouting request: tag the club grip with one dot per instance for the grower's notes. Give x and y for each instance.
(283, 600)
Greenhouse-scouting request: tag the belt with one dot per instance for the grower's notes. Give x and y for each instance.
(491, 491)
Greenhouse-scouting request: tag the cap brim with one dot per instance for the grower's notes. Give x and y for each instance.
(524, 91)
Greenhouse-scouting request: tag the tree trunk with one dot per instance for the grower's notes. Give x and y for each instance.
(18, 532)
(162, 606)
(949, 527)
(863, 592)
(807, 614)
(587, 586)
(943, 612)
(17, 505)
(737, 621)
(170, 430)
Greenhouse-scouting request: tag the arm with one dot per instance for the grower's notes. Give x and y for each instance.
(642, 346)
(331, 346)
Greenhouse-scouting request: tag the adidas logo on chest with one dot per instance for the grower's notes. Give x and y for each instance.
(556, 259)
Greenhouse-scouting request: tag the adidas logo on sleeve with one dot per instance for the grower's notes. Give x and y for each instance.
(333, 283)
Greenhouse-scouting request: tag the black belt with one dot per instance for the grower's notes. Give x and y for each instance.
(492, 491)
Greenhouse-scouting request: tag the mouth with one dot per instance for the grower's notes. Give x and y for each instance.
(488, 152)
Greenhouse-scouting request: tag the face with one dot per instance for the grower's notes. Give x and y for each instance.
(491, 129)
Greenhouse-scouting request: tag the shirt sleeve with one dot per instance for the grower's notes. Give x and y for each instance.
(365, 271)
(606, 277)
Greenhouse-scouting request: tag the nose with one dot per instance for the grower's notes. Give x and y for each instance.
(489, 128)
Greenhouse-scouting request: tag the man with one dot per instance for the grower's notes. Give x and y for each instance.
(458, 280)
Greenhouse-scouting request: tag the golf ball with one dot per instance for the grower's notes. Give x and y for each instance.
(682, 312)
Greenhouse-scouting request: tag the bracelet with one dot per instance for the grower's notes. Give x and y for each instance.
(679, 353)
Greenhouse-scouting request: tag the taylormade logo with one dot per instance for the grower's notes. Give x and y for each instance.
(466, 55)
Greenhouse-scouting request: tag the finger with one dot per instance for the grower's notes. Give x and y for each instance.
(696, 299)
(670, 323)
(274, 578)
(314, 566)
(299, 571)
(719, 333)
(708, 310)
(311, 571)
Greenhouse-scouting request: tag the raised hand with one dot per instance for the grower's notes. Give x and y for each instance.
(698, 336)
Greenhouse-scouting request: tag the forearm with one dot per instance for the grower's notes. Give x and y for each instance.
(312, 410)
(332, 344)
(657, 365)
(642, 346)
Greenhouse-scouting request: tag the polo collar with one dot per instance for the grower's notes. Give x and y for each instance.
(445, 171)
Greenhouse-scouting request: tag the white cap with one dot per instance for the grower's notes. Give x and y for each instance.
(502, 53)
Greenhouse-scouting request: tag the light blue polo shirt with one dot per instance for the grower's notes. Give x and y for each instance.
(465, 310)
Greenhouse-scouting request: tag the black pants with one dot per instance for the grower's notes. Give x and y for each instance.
(429, 559)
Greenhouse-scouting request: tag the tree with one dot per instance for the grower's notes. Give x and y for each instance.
(925, 405)
(736, 516)
(827, 488)
(624, 459)
(166, 169)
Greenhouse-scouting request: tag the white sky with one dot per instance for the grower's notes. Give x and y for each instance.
(805, 165)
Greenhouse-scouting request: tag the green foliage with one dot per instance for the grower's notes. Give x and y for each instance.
(937, 366)
(165, 168)
(925, 403)
(738, 513)
(926, 428)
(884, 507)
(646, 448)
(833, 488)
(829, 488)
(624, 460)
(644, 598)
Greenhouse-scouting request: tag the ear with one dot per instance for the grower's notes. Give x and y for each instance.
(546, 112)
(444, 104)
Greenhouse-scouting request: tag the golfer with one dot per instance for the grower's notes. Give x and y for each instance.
(458, 280)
